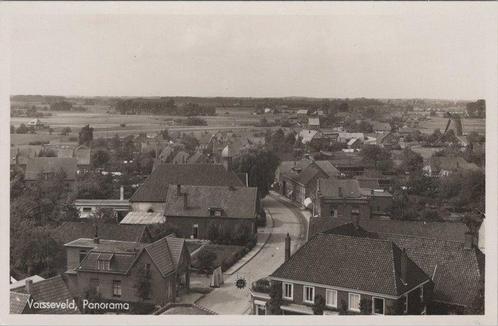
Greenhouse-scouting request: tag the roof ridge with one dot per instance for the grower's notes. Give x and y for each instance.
(420, 237)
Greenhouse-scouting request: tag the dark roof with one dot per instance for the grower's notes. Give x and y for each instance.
(198, 157)
(120, 262)
(165, 254)
(156, 186)
(161, 255)
(18, 302)
(37, 165)
(238, 202)
(329, 188)
(452, 163)
(69, 231)
(51, 290)
(455, 271)
(370, 183)
(305, 170)
(357, 263)
(435, 230)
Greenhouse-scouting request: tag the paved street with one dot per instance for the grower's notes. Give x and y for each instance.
(287, 219)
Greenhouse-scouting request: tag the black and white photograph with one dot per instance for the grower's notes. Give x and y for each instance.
(249, 159)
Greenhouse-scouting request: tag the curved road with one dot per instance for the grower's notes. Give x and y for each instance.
(228, 299)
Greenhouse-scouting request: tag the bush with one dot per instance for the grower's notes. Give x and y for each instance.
(22, 129)
(206, 261)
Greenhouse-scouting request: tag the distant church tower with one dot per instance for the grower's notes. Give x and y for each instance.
(226, 157)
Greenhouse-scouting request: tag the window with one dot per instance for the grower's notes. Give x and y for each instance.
(331, 298)
(333, 213)
(354, 302)
(309, 294)
(116, 288)
(147, 268)
(87, 209)
(378, 306)
(288, 291)
(421, 294)
(83, 254)
(195, 231)
(104, 265)
(217, 212)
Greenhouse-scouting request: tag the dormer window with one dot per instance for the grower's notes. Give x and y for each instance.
(104, 262)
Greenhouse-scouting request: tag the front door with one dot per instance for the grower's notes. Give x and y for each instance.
(195, 231)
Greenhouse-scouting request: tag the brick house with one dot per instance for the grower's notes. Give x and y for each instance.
(447, 252)
(297, 180)
(112, 268)
(151, 195)
(340, 198)
(193, 209)
(339, 268)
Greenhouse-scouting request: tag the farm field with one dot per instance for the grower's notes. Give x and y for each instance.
(107, 125)
(469, 125)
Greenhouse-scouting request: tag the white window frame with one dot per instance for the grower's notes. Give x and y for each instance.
(327, 291)
(291, 291)
(350, 294)
(383, 306)
(305, 287)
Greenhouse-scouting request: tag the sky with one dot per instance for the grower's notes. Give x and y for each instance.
(410, 54)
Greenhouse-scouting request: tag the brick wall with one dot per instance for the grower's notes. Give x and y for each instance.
(163, 289)
(185, 224)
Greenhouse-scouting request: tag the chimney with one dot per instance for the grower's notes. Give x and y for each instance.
(185, 201)
(404, 266)
(340, 192)
(469, 239)
(178, 190)
(287, 247)
(247, 179)
(96, 238)
(355, 216)
(121, 193)
(29, 286)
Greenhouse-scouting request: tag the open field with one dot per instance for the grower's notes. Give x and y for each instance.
(107, 125)
(469, 125)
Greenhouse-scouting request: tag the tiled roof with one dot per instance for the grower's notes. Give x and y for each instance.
(455, 271)
(370, 183)
(329, 188)
(328, 168)
(381, 126)
(176, 246)
(307, 135)
(434, 230)
(165, 254)
(51, 290)
(156, 186)
(69, 231)
(160, 254)
(358, 263)
(197, 157)
(237, 202)
(18, 302)
(50, 165)
(120, 262)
